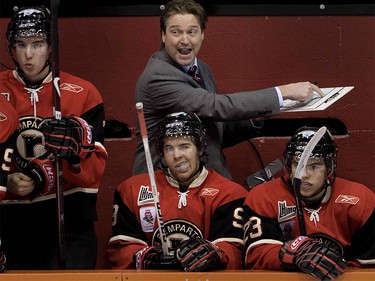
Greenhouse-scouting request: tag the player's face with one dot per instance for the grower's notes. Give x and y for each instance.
(31, 53)
(181, 156)
(183, 38)
(313, 178)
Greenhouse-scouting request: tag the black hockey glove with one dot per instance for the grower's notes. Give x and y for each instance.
(199, 254)
(312, 257)
(153, 257)
(3, 261)
(68, 137)
(42, 170)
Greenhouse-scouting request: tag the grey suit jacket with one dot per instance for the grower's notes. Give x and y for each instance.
(164, 87)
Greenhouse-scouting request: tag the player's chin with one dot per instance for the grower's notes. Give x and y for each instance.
(307, 192)
(182, 177)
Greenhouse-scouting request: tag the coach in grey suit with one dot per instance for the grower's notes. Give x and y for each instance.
(165, 87)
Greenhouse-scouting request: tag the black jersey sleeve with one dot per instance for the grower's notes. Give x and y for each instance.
(227, 221)
(362, 248)
(125, 223)
(259, 228)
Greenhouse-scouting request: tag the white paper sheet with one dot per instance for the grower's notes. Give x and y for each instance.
(317, 103)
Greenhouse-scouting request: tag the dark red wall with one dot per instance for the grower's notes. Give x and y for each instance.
(245, 53)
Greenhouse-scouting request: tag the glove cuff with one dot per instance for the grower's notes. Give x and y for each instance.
(139, 256)
(289, 250)
(43, 172)
(199, 254)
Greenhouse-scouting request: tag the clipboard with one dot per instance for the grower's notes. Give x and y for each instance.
(331, 95)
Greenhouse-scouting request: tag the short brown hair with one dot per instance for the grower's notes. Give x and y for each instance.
(174, 7)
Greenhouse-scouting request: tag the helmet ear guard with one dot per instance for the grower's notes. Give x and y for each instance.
(181, 124)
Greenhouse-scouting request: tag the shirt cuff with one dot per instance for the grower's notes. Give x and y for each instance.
(281, 101)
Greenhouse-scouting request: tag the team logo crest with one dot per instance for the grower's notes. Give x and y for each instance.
(29, 141)
(177, 231)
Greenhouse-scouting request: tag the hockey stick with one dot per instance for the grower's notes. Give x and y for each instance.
(298, 176)
(150, 168)
(57, 114)
(266, 174)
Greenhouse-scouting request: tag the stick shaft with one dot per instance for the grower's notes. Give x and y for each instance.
(57, 114)
(300, 217)
(298, 176)
(151, 173)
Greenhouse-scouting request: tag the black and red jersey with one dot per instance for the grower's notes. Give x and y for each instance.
(78, 98)
(210, 208)
(344, 220)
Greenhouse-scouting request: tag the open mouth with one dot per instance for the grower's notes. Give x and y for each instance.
(184, 51)
(305, 185)
(182, 167)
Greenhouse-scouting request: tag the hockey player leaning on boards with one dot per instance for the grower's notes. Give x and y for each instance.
(28, 227)
(339, 216)
(200, 208)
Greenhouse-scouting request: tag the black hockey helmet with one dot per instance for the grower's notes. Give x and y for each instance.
(181, 124)
(325, 148)
(29, 21)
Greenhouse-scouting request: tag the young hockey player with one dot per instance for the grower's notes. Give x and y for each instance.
(339, 216)
(201, 209)
(29, 229)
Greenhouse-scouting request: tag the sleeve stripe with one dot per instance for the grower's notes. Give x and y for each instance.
(264, 241)
(127, 239)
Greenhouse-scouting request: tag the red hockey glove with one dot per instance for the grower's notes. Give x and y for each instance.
(42, 170)
(70, 136)
(3, 261)
(312, 257)
(153, 257)
(199, 254)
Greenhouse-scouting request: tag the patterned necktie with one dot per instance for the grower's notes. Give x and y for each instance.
(193, 72)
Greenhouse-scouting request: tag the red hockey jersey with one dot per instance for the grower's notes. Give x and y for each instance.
(345, 221)
(79, 98)
(211, 208)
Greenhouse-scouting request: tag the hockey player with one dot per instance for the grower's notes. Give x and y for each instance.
(28, 212)
(339, 216)
(201, 210)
